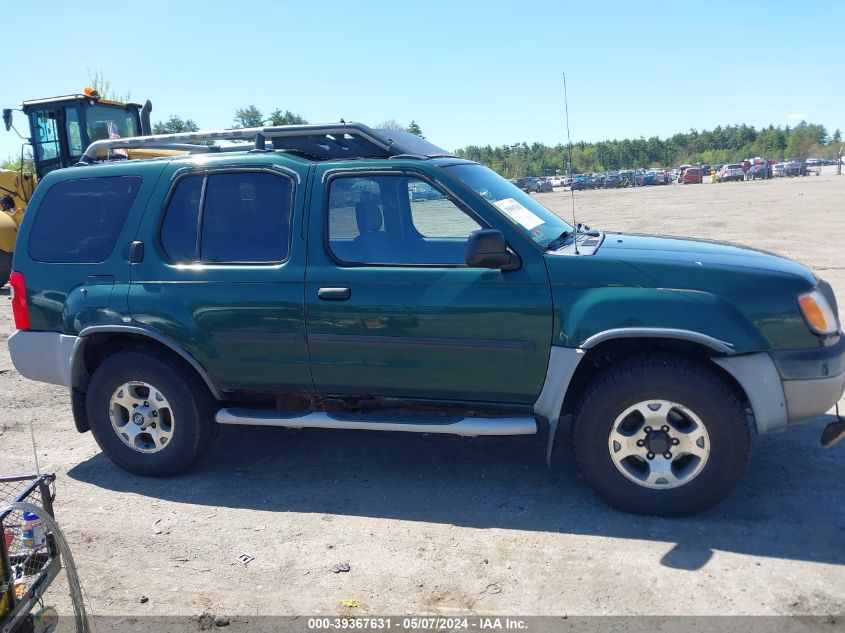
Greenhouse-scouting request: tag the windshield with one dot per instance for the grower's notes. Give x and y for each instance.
(107, 121)
(517, 206)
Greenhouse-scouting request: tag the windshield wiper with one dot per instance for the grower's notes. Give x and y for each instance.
(559, 241)
(583, 229)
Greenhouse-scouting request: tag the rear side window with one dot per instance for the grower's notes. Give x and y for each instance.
(242, 218)
(179, 231)
(80, 220)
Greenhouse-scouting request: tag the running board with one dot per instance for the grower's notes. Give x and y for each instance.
(453, 425)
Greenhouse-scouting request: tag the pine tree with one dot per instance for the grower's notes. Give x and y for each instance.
(277, 117)
(413, 128)
(175, 124)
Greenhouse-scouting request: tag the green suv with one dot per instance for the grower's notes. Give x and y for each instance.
(344, 277)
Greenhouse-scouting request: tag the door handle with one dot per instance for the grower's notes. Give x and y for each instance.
(334, 294)
(136, 252)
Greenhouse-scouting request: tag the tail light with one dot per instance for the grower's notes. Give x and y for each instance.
(20, 309)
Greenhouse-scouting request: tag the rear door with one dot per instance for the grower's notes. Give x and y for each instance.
(223, 272)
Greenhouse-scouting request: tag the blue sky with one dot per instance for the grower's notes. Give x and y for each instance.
(467, 72)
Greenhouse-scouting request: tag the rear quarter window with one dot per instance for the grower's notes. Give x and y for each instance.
(80, 220)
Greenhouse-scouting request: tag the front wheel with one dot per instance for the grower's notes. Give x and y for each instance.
(150, 414)
(662, 435)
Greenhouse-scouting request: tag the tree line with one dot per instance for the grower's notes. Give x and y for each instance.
(717, 146)
(720, 145)
(252, 116)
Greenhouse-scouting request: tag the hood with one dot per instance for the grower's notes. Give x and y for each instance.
(635, 249)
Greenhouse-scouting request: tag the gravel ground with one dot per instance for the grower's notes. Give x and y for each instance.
(433, 524)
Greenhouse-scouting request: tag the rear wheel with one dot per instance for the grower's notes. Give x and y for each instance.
(149, 414)
(661, 434)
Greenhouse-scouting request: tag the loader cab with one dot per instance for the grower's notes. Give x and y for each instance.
(61, 128)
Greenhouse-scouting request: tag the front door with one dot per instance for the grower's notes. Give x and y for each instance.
(392, 308)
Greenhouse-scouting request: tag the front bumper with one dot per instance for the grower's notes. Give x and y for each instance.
(813, 379)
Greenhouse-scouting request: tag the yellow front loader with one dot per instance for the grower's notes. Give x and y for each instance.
(60, 130)
(15, 190)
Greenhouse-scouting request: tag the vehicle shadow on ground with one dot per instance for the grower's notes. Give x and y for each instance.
(791, 503)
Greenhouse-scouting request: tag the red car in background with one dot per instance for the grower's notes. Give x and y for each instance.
(692, 176)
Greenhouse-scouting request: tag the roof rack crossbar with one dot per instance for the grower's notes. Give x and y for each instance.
(178, 140)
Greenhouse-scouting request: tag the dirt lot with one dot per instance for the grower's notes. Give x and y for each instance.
(447, 525)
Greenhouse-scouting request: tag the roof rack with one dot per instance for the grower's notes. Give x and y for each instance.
(315, 141)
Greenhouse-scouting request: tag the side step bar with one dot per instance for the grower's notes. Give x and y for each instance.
(453, 425)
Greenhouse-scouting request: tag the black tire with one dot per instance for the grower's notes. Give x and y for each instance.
(192, 406)
(5, 267)
(677, 379)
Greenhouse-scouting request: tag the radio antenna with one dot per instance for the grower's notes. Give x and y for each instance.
(571, 182)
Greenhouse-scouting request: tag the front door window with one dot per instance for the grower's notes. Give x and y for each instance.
(396, 220)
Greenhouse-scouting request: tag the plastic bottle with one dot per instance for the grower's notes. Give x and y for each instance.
(34, 535)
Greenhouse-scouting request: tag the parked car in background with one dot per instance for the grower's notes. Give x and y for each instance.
(705, 169)
(423, 191)
(794, 168)
(557, 181)
(681, 170)
(652, 178)
(523, 183)
(631, 178)
(542, 185)
(777, 170)
(731, 171)
(612, 181)
(692, 176)
(759, 172)
(581, 182)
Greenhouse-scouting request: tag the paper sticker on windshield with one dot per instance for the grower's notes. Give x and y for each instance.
(519, 214)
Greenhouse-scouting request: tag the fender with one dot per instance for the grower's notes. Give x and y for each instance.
(596, 314)
(141, 331)
(755, 373)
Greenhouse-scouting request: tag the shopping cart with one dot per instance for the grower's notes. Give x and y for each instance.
(27, 565)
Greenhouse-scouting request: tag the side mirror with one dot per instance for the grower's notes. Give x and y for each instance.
(7, 118)
(486, 248)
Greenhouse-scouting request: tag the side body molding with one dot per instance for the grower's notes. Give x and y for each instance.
(82, 340)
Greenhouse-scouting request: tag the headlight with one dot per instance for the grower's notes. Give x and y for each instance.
(818, 313)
